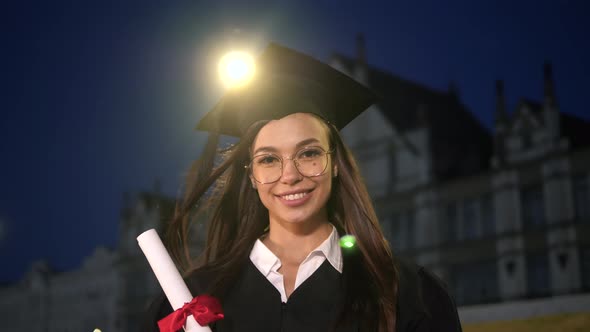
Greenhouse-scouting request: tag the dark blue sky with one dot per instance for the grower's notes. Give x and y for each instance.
(101, 97)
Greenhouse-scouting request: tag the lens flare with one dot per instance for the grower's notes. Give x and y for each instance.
(347, 241)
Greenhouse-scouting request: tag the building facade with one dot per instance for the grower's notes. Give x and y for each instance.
(109, 292)
(498, 216)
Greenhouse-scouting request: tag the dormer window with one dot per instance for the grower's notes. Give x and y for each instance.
(527, 140)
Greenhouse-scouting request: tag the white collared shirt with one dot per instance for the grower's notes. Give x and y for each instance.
(268, 263)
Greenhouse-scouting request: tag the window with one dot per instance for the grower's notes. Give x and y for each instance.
(410, 229)
(470, 220)
(452, 222)
(403, 230)
(397, 235)
(537, 269)
(581, 198)
(527, 140)
(585, 267)
(475, 282)
(375, 167)
(393, 171)
(488, 216)
(533, 208)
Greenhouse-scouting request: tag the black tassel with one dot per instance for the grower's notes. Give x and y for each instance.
(202, 167)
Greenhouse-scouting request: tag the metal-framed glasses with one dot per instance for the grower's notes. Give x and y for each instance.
(268, 167)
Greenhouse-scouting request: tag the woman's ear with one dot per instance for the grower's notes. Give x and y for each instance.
(253, 183)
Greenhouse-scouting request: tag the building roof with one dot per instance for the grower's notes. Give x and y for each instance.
(460, 144)
(574, 128)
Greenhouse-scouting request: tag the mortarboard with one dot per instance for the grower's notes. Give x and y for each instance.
(288, 82)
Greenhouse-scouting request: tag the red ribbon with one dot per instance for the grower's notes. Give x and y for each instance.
(206, 309)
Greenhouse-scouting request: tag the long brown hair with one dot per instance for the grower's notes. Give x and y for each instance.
(237, 218)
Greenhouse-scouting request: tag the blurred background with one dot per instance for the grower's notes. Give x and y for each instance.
(477, 156)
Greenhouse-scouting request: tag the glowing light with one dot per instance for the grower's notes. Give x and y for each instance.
(97, 330)
(236, 68)
(347, 241)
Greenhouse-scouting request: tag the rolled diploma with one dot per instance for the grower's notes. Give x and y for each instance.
(168, 276)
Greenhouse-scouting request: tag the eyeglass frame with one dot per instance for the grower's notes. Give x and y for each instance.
(292, 157)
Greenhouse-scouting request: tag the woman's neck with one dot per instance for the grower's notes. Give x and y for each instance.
(292, 243)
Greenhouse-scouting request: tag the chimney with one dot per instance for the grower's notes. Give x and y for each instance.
(501, 115)
(550, 110)
(549, 91)
(500, 129)
(361, 71)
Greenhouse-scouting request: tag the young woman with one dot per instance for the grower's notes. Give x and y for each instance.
(283, 197)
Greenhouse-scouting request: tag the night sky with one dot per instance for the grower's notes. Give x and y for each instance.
(101, 97)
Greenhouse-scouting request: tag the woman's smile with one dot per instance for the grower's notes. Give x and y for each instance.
(295, 198)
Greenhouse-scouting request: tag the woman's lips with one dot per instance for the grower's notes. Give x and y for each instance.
(295, 198)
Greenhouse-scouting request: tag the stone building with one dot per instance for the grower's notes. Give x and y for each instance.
(110, 291)
(498, 216)
(79, 300)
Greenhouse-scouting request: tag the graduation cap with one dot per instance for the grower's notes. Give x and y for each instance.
(287, 82)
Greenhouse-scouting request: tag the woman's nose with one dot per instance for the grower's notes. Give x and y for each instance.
(290, 173)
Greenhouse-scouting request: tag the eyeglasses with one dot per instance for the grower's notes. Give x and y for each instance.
(309, 161)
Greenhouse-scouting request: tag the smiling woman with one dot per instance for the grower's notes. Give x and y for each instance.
(294, 243)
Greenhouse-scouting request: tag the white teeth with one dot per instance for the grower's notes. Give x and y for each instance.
(293, 196)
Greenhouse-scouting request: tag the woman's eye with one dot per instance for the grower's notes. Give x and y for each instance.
(266, 160)
(309, 153)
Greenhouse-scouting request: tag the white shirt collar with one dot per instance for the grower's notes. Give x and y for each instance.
(266, 261)
(330, 248)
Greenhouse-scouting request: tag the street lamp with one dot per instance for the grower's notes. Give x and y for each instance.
(236, 69)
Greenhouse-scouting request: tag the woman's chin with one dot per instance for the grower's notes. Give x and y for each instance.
(300, 218)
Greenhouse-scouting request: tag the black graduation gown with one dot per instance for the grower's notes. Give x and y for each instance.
(254, 304)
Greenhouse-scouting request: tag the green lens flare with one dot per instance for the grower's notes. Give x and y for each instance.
(347, 241)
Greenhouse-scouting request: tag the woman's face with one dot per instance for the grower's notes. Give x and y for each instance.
(294, 198)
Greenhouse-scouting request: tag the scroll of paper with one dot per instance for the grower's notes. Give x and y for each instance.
(168, 276)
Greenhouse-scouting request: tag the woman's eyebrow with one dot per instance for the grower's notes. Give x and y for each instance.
(265, 149)
(307, 142)
(297, 146)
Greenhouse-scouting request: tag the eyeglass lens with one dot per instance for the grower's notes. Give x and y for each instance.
(310, 162)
